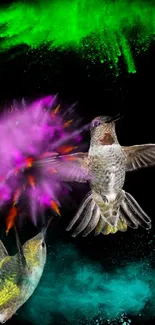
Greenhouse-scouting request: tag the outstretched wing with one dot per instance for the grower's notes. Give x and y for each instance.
(139, 156)
(70, 168)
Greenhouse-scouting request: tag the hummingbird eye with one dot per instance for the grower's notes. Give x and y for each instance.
(96, 123)
(43, 244)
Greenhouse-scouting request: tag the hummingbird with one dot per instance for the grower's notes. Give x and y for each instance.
(107, 208)
(21, 273)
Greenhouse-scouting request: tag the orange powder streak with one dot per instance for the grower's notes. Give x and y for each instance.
(31, 181)
(55, 111)
(55, 207)
(66, 124)
(16, 196)
(29, 162)
(11, 219)
(53, 170)
(66, 149)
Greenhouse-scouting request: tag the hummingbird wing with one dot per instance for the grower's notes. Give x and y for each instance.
(139, 156)
(3, 251)
(12, 265)
(70, 168)
(10, 273)
(11, 279)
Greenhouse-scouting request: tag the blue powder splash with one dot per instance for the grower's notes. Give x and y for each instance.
(78, 289)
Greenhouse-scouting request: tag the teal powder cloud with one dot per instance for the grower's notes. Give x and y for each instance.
(77, 288)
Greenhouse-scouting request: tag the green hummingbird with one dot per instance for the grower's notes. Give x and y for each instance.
(21, 273)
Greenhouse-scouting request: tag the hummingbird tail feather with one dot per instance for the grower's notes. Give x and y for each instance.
(93, 221)
(134, 215)
(86, 218)
(84, 206)
(90, 218)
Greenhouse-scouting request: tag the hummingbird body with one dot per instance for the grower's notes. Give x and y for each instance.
(20, 274)
(108, 179)
(107, 207)
(107, 165)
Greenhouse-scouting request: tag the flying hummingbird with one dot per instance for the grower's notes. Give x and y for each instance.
(21, 273)
(107, 208)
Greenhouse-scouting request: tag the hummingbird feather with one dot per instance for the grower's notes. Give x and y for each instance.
(77, 166)
(93, 222)
(80, 211)
(139, 156)
(133, 213)
(86, 218)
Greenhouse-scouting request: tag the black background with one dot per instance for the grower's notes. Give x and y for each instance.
(97, 91)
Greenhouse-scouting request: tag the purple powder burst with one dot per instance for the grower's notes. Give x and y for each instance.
(31, 137)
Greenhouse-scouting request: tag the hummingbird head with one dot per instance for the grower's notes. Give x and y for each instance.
(104, 120)
(35, 251)
(101, 125)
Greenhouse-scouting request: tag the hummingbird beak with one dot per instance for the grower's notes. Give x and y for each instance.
(116, 118)
(44, 230)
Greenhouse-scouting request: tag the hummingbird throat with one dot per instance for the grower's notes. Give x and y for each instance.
(107, 139)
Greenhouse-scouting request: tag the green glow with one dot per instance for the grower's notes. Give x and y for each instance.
(77, 288)
(98, 29)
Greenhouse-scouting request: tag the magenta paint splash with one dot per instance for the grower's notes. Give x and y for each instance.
(32, 135)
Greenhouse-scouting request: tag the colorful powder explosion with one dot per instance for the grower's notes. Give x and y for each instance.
(82, 292)
(28, 136)
(102, 30)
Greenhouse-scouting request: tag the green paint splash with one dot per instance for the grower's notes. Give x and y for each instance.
(98, 29)
(81, 291)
